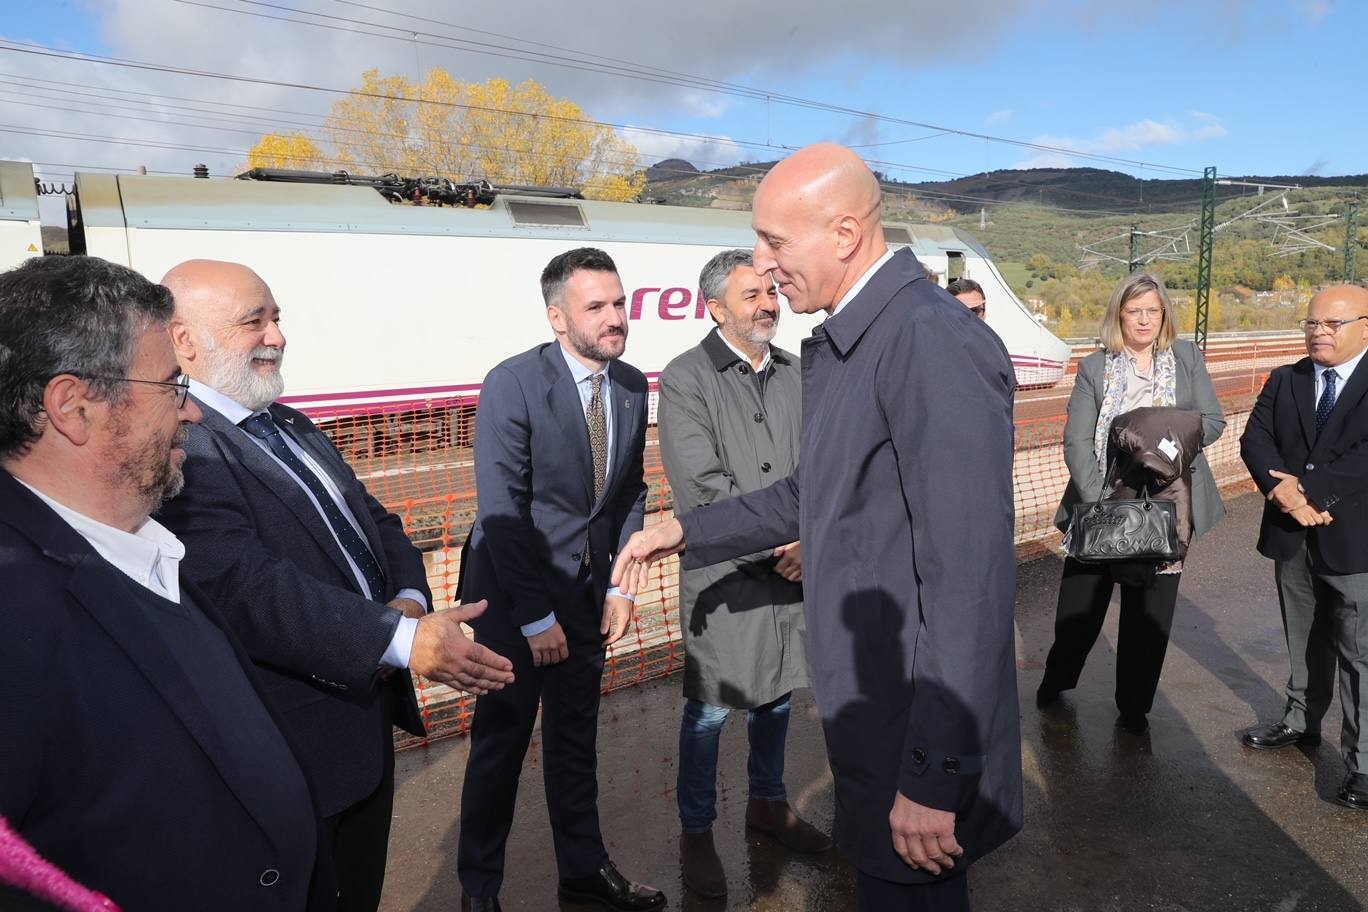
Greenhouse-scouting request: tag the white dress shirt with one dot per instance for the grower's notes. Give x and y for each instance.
(401, 645)
(1342, 371)
(150, 557)
(864, 280)
(764, 364)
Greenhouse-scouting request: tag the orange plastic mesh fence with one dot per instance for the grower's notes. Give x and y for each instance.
(418, 461)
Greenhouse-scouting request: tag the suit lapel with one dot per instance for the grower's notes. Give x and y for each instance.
(280, 482)
(563, 399)
(1304, 396)
(316, 443)
(105, 594)
(1347, 402)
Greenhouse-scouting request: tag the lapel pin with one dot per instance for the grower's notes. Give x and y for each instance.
(626, 403)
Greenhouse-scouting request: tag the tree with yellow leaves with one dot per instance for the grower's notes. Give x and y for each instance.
(276, 150)
(506, 134)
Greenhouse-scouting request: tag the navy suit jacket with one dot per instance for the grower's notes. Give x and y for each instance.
(111, 764)
(1332, 465)
(257, 545)
(534, 477)
(909, 571)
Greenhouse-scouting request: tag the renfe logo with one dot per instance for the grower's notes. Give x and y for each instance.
(670, 303)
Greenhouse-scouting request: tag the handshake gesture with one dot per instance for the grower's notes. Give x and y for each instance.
(443, 652)
(632, 568)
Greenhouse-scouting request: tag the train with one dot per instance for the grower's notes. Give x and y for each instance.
(391, 302)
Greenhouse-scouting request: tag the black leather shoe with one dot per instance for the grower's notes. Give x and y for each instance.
(480, 903)
(1277, 735)
(611, 890)
(1354, 792)
(1135, 723)
(1047, 695)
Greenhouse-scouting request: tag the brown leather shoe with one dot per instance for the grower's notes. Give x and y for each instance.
(779, 820)
(702, 868)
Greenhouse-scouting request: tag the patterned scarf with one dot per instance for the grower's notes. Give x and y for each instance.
(1163, 376)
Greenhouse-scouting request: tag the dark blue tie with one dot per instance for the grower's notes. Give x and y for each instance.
(1327, 399)
(263, 427)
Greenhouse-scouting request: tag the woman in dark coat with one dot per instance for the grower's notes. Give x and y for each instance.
(1143, 364)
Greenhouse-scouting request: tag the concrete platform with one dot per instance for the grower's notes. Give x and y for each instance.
(1182, 819)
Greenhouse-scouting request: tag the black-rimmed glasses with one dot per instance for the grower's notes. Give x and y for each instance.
(1311, 326)
(181, 385)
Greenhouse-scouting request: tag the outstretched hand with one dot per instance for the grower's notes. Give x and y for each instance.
(441, 651)
(631, 571)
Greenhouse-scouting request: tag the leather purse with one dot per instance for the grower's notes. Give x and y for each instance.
(1124, 530)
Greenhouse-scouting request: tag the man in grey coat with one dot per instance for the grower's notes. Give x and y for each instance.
(729, 416)
(905, 516)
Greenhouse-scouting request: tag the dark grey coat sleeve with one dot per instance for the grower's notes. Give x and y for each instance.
(1085, 403)
(766, 518)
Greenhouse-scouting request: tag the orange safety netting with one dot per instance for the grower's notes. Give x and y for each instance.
(418, 461)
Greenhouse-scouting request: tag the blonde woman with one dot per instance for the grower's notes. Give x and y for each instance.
(1143, 364)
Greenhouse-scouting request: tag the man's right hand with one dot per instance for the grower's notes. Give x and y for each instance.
(442, 652)
(1309, 515)
(549, 646)
(631, 571)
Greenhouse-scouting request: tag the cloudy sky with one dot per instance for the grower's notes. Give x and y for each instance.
(926, 90)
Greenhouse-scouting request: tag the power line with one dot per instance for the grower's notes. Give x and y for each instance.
(688, 80)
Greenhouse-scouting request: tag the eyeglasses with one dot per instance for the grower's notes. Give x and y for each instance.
(1311, 326)
(979, 310)
(181, 385)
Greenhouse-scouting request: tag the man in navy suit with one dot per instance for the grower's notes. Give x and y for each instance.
(559, 438)
(319, 579)
(905, 515)
(136, 752)
(1306, 446)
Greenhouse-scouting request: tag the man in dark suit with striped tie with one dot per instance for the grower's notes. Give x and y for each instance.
(1306, 446)
(559, 438)
(317, 578)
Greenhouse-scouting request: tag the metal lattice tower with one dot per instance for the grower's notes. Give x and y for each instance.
(1351, 243)
(1204, 244)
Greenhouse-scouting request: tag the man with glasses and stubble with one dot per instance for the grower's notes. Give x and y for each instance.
(970, 294)
(1306, 445)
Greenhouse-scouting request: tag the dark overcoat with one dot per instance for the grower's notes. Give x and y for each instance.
(906, 515)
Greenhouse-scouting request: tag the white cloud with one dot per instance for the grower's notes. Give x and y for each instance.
(1314, 10)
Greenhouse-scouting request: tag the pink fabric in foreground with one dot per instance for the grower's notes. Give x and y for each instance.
(24, 868)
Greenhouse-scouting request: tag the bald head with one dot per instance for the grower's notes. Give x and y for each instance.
(816, 218)
(226, 330)
(1345, 306)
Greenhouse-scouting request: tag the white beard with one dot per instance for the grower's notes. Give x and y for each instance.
(233, 375)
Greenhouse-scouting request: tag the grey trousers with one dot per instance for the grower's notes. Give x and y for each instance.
(1326, 621)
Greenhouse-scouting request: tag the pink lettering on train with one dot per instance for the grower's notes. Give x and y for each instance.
(670, 303)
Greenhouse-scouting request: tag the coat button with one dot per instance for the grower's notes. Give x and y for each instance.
(950, 765)
(576, 556)
(759, 417)
(764, 466)
(918, 756)
(1310, 467)
(269, 877)
(742, 369)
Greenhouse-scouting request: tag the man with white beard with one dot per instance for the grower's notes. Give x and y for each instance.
(317, 578)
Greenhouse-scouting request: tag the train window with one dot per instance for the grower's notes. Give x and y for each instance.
(546, 214)
(954, 265)
(895, 235)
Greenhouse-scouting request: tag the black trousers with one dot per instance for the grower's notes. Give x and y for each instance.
(359, 840)
(1146, 619)
(499, 735)
(948, 895)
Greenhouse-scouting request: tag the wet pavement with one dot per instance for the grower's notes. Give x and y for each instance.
(1181, 819)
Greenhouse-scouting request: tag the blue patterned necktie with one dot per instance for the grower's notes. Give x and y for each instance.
(263, 427)
(1327, 399)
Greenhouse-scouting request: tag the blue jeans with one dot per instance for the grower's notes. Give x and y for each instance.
(699, 733)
